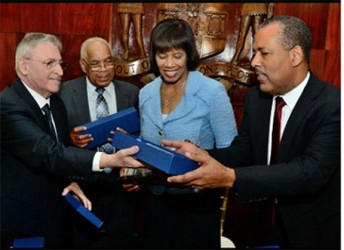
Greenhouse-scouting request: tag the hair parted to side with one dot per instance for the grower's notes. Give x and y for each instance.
(88, 41)
(294, 32)
(173, 33)
(31, 40)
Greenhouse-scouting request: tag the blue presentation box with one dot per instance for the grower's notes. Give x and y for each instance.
(100, 129)
(83, 211)
(157, 156)
(30, 242)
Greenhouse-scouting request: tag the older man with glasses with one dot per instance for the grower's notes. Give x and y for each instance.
(88, 98)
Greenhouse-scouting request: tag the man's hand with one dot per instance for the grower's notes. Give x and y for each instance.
(180, 146)
(209, 174)
(74, 188)
(129, 187)
(80, 141)
(121, 159)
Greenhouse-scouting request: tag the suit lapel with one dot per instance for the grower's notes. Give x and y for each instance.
(262, 122)
(188, 102)
(24, 93)
(122, 98)
(80, 102)
(302, 107)
(152, 103)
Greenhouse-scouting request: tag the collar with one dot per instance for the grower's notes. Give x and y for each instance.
(293, 96)
(91, 89)
(41, 101)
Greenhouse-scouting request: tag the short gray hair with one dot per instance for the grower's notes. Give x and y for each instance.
(30, 42)
(87, 42)
(294, 32)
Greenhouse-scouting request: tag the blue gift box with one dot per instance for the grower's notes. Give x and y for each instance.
(157, 156)
(100, 129)
(30, 242)
(83, 210)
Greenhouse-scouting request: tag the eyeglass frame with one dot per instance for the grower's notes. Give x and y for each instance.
(100, 65)
(50, 63)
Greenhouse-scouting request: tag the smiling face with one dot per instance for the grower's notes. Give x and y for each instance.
(172, 65)
(98, 55)
(37, 70)
(274, 65)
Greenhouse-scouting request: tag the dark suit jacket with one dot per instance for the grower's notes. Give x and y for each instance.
(33, 164)
(306, 179)
(105, 190)
(74, 95)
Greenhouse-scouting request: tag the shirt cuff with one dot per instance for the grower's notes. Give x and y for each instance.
(96, 162)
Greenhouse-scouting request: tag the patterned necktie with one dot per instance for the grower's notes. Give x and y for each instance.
(276, 131)
(47, 114)
(101, 104)
(103, 111)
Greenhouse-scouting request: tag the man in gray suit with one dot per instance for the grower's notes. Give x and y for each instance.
(111, 203)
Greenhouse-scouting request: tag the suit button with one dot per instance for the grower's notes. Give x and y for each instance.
(160, 132)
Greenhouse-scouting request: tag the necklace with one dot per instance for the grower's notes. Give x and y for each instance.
(166, 102)
(172, 97)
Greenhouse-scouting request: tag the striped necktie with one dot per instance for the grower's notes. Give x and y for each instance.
(101, 104)
(103, 111)
(48, 116)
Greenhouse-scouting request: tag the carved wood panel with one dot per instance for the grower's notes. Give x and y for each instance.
(223, 35)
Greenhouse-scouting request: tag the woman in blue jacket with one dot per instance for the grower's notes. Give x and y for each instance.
(182, 104)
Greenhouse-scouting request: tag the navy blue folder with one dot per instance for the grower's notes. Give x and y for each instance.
(157, 156)
(91, 217)
(30, 242)
(100, 129)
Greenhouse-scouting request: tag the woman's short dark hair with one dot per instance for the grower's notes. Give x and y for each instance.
(173, 33)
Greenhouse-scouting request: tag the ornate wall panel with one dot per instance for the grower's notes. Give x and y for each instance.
(223, 33)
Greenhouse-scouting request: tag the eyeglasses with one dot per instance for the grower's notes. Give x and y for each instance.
(50, 63)
(108, 64)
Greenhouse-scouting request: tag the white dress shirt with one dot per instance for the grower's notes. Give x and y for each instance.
(290, 99)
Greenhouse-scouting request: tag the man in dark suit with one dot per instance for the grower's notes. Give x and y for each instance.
(110, 202)
(35, 153)
(304, 181)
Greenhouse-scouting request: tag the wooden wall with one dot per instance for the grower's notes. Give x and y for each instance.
(74, 22)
